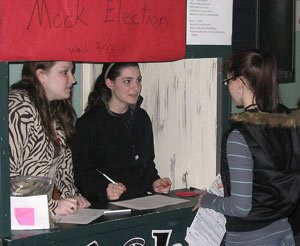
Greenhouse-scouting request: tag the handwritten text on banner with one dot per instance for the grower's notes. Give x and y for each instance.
(92, 30)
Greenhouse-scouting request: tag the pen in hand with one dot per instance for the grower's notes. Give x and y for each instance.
(108, 178)
(114, 190)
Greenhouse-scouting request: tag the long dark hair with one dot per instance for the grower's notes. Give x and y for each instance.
(60, 111)
(111, 71)
(260, 71)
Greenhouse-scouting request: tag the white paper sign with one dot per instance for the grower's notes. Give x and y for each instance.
(208, 226)
(209, 22)
(29, 212)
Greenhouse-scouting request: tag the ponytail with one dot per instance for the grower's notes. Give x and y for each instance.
(95, 95)
(266, 92)
(260, 71)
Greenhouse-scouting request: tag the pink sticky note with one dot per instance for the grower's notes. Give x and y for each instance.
(25, 216)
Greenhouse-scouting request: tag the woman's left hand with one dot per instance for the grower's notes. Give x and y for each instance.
(82, 202)
(162, 185)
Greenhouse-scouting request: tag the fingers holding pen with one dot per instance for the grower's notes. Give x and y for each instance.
(115, 190)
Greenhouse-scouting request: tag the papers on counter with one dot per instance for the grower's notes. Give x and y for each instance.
(208, 226)
(82, 216)
(149, 202)
(87, 215)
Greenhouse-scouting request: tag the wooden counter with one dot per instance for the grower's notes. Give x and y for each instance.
(165, 226)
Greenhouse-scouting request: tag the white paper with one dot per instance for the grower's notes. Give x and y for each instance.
(29, 212)
(82, 216)
(209, 22)
(208, 226)
(298, 15)
(150, 202)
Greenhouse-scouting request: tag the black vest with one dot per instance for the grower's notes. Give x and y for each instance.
(276, 172)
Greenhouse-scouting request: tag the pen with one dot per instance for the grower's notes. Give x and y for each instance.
(108, 178)
(117, 211)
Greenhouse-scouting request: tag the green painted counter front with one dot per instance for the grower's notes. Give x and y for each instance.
(165, 226)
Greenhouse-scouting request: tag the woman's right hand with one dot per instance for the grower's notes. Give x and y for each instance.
(66, 206)
(114, 191)
(201, 193)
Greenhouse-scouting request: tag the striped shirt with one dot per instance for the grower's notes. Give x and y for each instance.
(239, 203)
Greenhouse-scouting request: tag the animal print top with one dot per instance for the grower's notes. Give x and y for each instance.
(31, 152)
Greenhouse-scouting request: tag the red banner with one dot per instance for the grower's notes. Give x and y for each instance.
(92, 30)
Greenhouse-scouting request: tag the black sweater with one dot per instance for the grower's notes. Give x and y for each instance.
(120, 146)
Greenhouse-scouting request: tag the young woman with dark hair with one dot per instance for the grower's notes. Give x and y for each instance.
(260, 157)
(114, 138)
(41, 121)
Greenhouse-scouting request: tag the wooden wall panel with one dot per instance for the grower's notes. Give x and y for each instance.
(181, 99)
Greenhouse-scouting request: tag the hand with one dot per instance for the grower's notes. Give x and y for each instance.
(82, 202)
(162, 185)
(114, 191)
(66, 206)
(201, 194)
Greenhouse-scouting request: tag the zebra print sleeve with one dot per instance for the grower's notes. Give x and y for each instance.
(21, 121)
(64, 177)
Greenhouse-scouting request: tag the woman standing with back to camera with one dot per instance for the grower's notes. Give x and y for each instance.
(260, 164)
(114, 138)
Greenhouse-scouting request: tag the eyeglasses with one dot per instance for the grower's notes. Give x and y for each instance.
(227, 81)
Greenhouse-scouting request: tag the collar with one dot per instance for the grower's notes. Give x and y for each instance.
(285, 120)
(132, 108)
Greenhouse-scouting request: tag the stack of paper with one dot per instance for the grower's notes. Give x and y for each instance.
(208, 226)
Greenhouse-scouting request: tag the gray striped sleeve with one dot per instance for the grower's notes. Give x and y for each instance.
(240, 163)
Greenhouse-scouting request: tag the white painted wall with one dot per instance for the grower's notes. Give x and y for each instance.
(181, 100)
